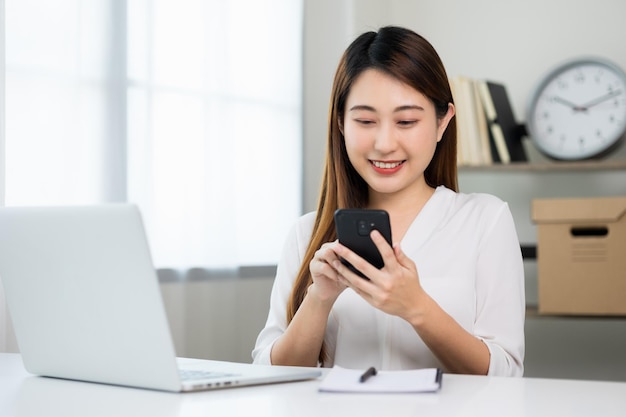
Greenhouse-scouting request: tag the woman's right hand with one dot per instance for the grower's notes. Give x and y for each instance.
(327, 284)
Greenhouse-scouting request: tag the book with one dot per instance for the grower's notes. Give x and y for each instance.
(469, 150)
(506, 134)
(415, 380)
(497, 143)
(470, 113)
(462, 152)
(486, 152)
(473, 147)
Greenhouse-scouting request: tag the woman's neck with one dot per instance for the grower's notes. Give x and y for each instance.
(403, 208)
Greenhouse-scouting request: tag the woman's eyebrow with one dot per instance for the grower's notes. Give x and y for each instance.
(362, 107)
(409, 107)
(397, 109)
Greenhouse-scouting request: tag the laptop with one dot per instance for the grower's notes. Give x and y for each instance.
(85, 303)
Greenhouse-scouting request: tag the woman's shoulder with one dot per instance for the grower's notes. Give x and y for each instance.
(307, 220)
(303, 226)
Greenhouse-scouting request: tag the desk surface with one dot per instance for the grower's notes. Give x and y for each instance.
(24, 395)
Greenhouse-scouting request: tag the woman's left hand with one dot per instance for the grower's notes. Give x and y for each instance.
(394, 289)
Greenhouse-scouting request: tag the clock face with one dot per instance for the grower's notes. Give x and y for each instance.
(579, 110)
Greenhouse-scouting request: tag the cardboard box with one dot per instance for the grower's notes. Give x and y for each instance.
(581, 255)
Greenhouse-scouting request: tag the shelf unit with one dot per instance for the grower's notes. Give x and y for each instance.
(520, 183)
(578, 347)
(556, 166)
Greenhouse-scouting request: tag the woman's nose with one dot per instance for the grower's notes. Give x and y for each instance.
(385, 139)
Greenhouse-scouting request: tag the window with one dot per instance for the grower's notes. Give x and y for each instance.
(190, 109)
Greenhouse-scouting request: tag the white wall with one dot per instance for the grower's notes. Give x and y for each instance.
(4, 321)
(7, 337)
(217, 318)
(2, 169)
(322, 50)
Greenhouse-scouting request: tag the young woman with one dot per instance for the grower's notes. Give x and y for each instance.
(451, 292)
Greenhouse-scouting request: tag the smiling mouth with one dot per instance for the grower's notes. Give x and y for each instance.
(386, 165)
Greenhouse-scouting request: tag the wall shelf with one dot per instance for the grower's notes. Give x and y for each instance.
(555, 166)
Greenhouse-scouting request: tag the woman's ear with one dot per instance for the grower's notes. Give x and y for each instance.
(444, 121)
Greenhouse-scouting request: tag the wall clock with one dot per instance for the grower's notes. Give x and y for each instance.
(578, 109)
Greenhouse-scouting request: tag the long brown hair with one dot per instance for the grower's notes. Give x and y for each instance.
(410, 58)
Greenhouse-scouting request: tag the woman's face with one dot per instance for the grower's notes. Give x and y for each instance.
(391, 131)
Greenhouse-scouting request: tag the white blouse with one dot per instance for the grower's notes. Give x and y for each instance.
(468, 257)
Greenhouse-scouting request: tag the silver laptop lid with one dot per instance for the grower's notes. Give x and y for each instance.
(84, 297)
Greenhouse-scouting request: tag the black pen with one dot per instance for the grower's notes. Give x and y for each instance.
(370, 372)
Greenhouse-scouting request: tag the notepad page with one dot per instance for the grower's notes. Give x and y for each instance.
(348, 380)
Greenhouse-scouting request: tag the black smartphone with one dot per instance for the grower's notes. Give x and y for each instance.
(353, 228)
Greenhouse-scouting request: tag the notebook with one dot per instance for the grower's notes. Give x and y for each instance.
(403, 381)
(85, 303)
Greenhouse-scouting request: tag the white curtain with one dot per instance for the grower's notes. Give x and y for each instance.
(189, 108)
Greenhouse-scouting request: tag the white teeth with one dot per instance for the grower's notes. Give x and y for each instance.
(385, 165)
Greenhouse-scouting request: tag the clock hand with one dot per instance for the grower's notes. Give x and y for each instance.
(601, 99)
(568, 103)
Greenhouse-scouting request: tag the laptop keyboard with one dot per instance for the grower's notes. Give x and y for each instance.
(195, 375)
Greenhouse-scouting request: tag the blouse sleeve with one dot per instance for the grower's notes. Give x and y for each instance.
(500, 295)
(286, 272)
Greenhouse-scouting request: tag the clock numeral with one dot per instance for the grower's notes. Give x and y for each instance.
(579, 77)
(598, 76)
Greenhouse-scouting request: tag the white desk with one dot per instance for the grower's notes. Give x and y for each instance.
(25, 395)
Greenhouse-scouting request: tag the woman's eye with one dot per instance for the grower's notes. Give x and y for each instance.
(364, 121)
(407, 123)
